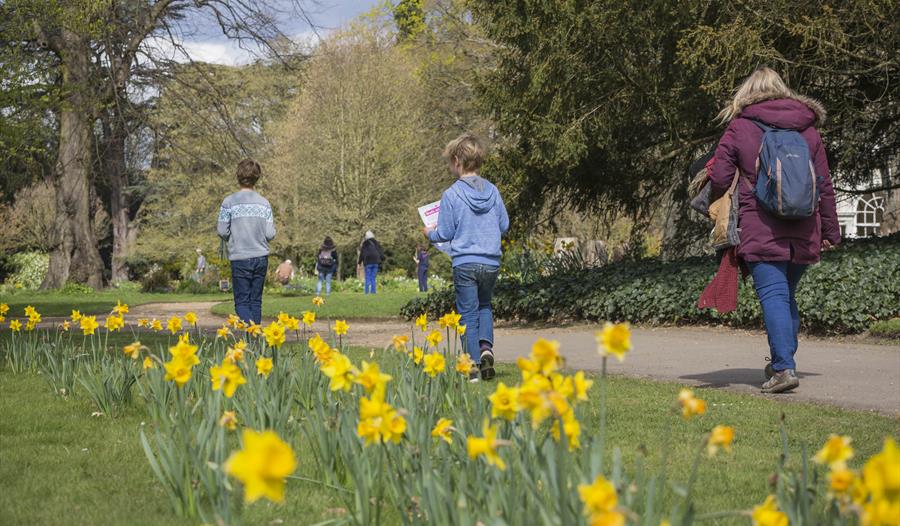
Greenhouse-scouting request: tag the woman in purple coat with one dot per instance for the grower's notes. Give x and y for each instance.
(778, 251)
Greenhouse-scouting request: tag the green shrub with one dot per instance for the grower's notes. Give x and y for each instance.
(886, 328)
(190, 286)
(28, 269)
(853, 286)
(76, 288)
(156, 280)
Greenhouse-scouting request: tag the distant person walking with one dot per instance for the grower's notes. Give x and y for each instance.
(371, 256)
(472, 219)
(246, 223)
(421, 259)
(200, 268)
(284, 273)
(326, 265)
(771, 136)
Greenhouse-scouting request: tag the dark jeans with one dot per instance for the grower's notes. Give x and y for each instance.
(776, 284)
(423, 278)
(371, 274)
(474, 284)
(247, 279)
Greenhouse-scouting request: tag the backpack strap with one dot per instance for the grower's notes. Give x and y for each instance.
(734, 181)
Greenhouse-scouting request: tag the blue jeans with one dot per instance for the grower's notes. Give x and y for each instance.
(247, 279)
(474, 284)
(776, 286)
(326, 277)
(423, 278)
(371, 274)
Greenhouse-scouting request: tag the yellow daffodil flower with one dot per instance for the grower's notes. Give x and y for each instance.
(341, 371)
(690, 405)
(156, 325)
(422, 322)
(442, 430)
(399, 342)
(486, 446)
(226, 377)
(309, 317)
(504, 402)
(133, 350)
(274, 334)
(371, 377)
(464, 364)
(229, 420)
(768, 514)
(191, 318)
(434, 364)
(341, 327)
(264, 367)
(88, 324)
(120, 308)
(16, 326)
(318, 301)
(614, 339)
(174, 324)
(434, 338)
(581, 386)
(836, 452)
(148, 363)
(262, 465)
(720, 436)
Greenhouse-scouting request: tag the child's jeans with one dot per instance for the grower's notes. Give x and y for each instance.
(474, 284)
(776, 285)
(326, 277)
(247, 279)
(371, 274)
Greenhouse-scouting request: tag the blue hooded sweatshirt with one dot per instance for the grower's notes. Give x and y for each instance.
(472, 219)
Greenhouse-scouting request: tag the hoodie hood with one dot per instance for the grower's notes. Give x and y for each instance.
(478, 194)
(795, 113)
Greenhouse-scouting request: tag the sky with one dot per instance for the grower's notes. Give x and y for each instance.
(207, 44)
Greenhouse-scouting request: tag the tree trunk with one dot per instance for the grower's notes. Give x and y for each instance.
(75, 255)
(115, 168)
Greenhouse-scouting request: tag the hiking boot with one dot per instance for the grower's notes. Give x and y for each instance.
(781, 382)
(474, 376)
(487, 365)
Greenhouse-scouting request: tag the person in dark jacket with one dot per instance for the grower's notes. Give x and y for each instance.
(421, 259)
(326, 265)
(778, 251)
(370, 256)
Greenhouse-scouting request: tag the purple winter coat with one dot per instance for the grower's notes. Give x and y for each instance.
(765, 237)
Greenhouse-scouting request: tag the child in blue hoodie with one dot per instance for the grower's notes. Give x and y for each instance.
(472, 218)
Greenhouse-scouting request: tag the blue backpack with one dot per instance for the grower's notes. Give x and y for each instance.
(786, 183)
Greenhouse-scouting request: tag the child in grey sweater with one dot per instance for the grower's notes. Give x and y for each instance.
(246, 224)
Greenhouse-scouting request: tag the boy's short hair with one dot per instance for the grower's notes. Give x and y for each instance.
(248, 172)
(467, 150)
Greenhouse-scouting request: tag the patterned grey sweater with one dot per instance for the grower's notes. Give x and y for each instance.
(245, 222)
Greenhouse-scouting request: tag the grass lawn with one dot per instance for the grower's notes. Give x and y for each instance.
(53, 303)
(59, 465)
(340, 305)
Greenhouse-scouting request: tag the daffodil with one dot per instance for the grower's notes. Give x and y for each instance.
(836, 452)
(114, 323)
(65, 325)
(143, 323)
(422, 322)
(378, 421)
(184, 349)
(690, 405)
(341, 327)
(371, 377)
(156, 325)
(598, 497)
(174, 324)
(254, 329)
(880, 492)
(264, 367)
(571, 427)
(262, 465)
(399, 342)
(226, 377)
(614, 339)
(274, 334)
(449, 320)
(4, 308)
(291, 323)
(318, 301)
(120, 308)
(461, 330)
(581, 386)
(88, 324)
(720, 436)
(504, 402)
(16, 326)
(768, 514)
(434, 364)
(148, 363)
(309, 317)
(341, 372)
(464, 364)
(442, 430)
(418, 355)
(229, 420)
(31, 312)
(179, 369)
(191, 318)
(840, 481)
(486, 446)
(546, 354)
(223, 332)
(233, 320)
(434, 338)
(133, 350)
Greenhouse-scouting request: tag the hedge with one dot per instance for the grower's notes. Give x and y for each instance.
(854, 286)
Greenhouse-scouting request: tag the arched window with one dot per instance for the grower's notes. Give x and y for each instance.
(869, 215)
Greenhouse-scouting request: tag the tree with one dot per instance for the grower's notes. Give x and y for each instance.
(95, 46)
(602, 105)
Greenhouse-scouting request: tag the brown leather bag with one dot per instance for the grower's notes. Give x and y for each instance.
(724, 211)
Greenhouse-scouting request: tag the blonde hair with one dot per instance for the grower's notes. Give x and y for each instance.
(763, 80)
(467, 150)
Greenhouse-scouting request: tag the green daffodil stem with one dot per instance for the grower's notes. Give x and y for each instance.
(693, 478)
